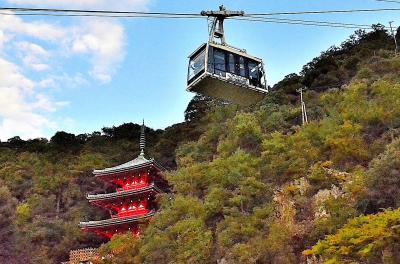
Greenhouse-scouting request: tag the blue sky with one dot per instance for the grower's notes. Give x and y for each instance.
(81, 74)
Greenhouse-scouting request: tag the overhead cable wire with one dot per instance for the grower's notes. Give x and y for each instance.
(54, 10)
(269, 20)
(255, 19)
(261, 17)
(388, 1)
(325, 12)
(101, 15)
(313, 21)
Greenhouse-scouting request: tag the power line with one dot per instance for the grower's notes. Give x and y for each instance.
(313, 21)
(262, 17)
(389, 1)
(325, 12)
(53, 10)
(100, 15)
(251, 18)
(270, 20)
(267, 20)
(24, 9)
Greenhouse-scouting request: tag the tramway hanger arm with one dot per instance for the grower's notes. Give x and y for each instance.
(216, 24)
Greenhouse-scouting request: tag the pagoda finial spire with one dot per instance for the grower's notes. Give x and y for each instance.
(142, 142)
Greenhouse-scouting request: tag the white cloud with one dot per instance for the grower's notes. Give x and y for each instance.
(33, 55)
(44, 103)
(103, 4)
(64, 80)
(19, 114)
(38, 29)
(103, 40)
(31, 48)
(42, 46)
(26, 128)
(33, 63)
(10, 76)
(3, 39)
(47, 82)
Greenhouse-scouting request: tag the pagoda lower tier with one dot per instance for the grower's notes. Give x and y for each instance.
(109, 227)
(128, 209)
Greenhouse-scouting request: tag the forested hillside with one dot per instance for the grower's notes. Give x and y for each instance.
(44, 185)
(249, 185)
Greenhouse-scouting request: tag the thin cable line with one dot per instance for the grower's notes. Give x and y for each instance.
(99, 15)
(23, 9)
(267, 20)
(255, 19)
(134, 14)
(389, 1)
(313, 21)
(324, 12)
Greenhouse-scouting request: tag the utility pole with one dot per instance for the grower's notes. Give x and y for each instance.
(394, 37)
(304, 117)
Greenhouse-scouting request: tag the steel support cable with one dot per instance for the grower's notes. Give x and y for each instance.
(23, 9)
(169, 15)
(388, 1)
(267, 20)
(101, 15)
(325, 12)
(312, 21)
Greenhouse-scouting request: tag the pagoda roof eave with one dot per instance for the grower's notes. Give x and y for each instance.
(138, 163)
(115, 221)
(110, 196)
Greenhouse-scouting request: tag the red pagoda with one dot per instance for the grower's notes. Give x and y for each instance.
(133, 202)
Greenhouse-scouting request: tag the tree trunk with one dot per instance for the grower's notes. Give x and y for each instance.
(59, 198)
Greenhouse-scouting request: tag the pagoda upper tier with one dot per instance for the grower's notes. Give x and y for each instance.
(138, 163)
(141, 163)
(134, 174)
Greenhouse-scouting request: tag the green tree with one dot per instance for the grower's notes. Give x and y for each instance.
(178, 234)
(365, 239)
(383, 178)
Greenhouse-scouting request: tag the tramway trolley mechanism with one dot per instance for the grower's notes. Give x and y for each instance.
(221, 71)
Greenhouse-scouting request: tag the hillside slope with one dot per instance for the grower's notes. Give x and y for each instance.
(250, 185)
(257, 187)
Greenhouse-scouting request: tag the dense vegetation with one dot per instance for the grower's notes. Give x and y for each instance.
(249, 185)
(42, 198)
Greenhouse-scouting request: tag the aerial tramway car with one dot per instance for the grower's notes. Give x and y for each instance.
(221, 71)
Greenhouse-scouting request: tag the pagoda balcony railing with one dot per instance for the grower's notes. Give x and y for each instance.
(101, 196)
(134, 186)
(130, 213)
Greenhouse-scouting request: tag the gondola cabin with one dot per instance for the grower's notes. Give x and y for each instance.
(227, 73)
